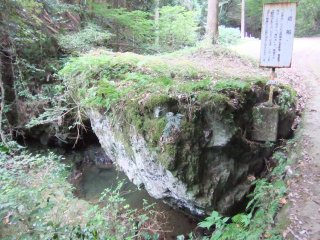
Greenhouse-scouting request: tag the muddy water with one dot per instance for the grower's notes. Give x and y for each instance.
(94, 180)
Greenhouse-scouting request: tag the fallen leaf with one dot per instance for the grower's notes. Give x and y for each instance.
(283, 201)
(267, 235)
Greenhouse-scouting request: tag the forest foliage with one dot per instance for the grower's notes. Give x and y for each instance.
(308, 16)
(39, 37)
(37, 202)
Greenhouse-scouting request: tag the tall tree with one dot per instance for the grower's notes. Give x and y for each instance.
(156, 18)
(7, 50)
(243, 30)
(2, 136)
(212, 32)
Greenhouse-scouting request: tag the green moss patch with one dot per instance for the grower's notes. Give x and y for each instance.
(139, 91)
(104, 78)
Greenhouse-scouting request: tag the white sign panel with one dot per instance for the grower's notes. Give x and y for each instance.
(278, 25)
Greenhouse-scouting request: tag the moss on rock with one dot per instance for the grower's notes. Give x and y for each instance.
(196, 125)
(132, 87)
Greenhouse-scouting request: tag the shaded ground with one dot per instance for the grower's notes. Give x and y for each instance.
(302, 214)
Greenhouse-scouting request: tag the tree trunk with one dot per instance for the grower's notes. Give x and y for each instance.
(2, 135)
(156, 20)
(7, 75)
(212, 31)
(119, 4)
(243, 15)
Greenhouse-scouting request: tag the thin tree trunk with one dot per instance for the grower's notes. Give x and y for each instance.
(7, 72)
(243, 15)
(123, 3)
(115, 4)
(212, 31)
(2, 136)
(156, 21)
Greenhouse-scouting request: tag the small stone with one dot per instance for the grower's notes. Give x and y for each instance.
(303, 232)
(289, 171)
(159, 111)
(251, 178)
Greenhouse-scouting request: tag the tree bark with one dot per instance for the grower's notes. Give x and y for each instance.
(243, 15)
(2, 135)
(156, 21)
(8, 80)
(212, 30)
(119, 4)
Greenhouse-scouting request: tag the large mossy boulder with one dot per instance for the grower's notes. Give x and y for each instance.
(178, 131)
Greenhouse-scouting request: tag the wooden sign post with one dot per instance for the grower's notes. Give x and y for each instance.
(278, 26)
(277, 35)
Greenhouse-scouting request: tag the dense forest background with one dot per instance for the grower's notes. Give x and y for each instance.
(36, 36)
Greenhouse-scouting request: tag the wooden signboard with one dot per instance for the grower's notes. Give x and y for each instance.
(278, 25)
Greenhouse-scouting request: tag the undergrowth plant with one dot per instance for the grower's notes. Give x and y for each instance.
(177, 28)
(286, 99)
(229, 36)
(87, 38)
(136, 35)
(37, 202)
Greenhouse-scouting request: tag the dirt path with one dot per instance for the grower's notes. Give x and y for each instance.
(302, 215)
(304, 211)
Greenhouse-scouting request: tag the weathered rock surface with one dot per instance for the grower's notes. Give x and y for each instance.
(183, 134)
(140, 164)
(210, 164)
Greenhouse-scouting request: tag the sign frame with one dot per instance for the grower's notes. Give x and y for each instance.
(277, 34)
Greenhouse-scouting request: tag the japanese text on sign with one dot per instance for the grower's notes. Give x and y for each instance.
(278, 25)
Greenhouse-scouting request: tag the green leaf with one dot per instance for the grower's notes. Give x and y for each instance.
(206, 224)
(4, 149)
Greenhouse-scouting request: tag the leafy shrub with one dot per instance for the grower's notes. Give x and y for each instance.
(228, 35)
(84, 40)
(29, 5)
(286, 99)
(59, 7)
(134, 27)
(36, 202)
(308, 18)
(177, 27)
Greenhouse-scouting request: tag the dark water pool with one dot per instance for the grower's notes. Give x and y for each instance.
(95, 180)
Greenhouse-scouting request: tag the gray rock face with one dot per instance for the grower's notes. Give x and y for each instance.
(221, 132)
(159, 111)
(209, 169)
(141, 165)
